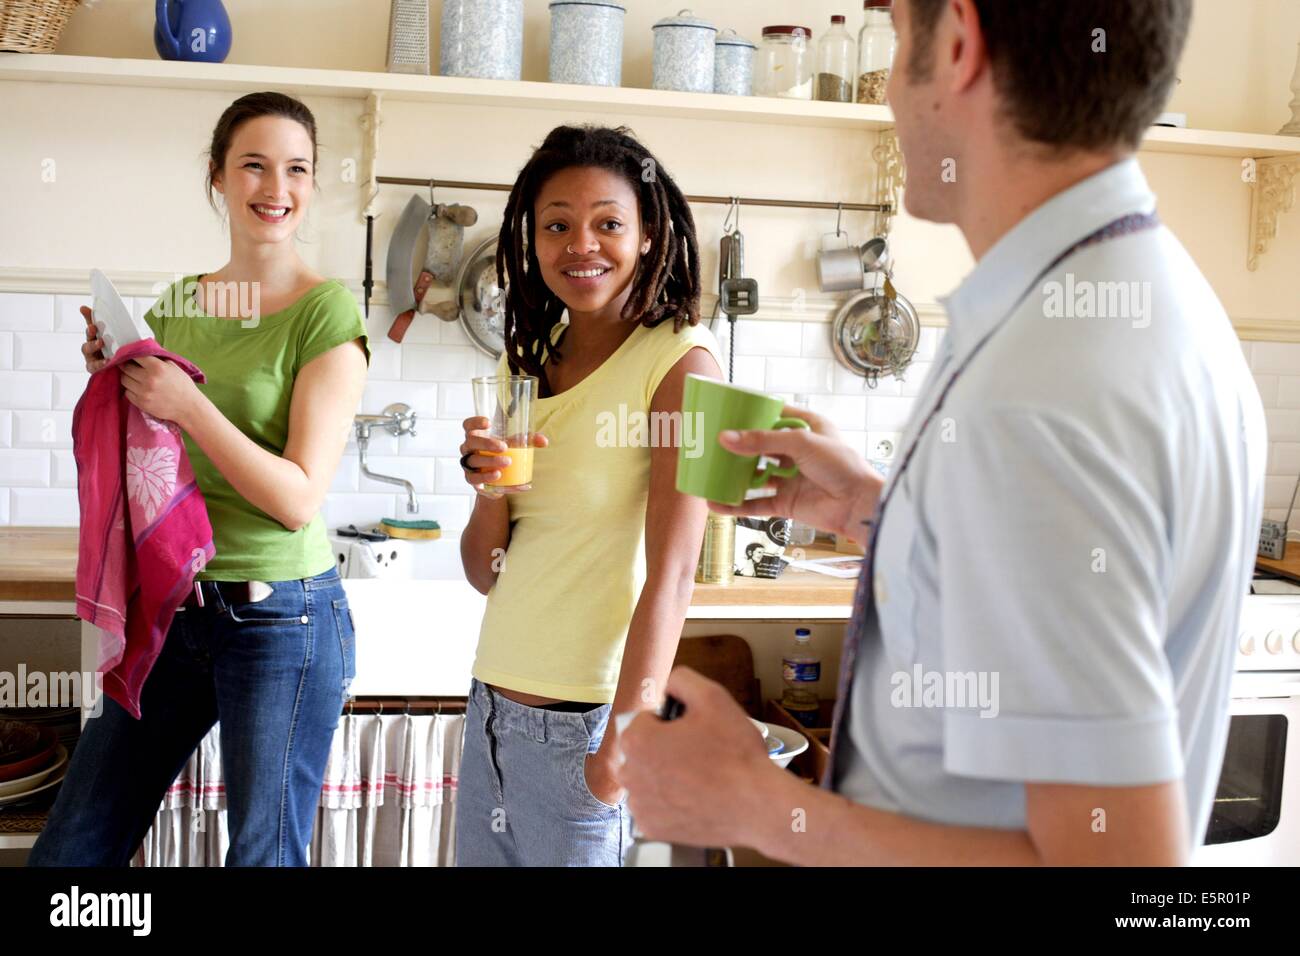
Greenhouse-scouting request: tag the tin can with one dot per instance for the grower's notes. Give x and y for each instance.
(718, 551)
(586, 42)
(733, 64)
(483, 39)
(683, 53)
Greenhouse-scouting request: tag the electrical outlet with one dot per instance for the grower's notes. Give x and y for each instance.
(882, 446)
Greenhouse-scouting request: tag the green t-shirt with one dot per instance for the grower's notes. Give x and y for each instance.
(250, 369)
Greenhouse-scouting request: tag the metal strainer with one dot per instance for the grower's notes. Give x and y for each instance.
(876, 333)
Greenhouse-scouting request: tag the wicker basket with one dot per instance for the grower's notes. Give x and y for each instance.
(33, 26)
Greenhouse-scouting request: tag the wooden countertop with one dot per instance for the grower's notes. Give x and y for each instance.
(1288, 567)
(40, 564)
(793, 587)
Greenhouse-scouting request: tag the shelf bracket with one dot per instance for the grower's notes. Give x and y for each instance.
(891, 179)
(371, 119)
(1271, 194)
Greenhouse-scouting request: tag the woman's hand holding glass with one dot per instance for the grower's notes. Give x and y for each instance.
(485, 457)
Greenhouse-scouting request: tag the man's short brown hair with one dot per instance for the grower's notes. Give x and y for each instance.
(1073, 74)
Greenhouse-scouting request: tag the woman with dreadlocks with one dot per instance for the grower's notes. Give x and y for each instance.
(589, 570)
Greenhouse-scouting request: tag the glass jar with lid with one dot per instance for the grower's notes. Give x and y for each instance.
(785, 63)
(876, 44)
(836, 59)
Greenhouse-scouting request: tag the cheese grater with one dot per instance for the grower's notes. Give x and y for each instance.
(408, 37)
(1272, 534)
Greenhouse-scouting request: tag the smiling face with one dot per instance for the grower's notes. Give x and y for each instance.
(267, 178)
(588, 238)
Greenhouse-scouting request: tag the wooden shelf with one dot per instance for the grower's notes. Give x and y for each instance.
(354, 84)
(1281, 154)
(1213, 142)
(618, 101)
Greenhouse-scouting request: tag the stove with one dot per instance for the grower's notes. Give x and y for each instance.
(1256, 815)
(1269, 636)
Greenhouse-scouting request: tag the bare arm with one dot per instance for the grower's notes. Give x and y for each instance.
(674, 528)
(484, 541)
(705, 780)
(1144, 826)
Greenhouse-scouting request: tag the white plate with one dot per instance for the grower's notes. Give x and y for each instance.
(23, 786)
(20, 797)
(116, 325)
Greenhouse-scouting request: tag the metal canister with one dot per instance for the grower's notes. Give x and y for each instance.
(718, 552)
(483, 38)
(683, 53)
(733, 64)
(586, 42)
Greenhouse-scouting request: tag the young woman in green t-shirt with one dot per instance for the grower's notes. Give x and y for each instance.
(265, 644)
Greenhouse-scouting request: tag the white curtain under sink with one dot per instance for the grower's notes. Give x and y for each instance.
(388, 798)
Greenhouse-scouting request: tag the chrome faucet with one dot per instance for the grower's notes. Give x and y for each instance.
(397, 419)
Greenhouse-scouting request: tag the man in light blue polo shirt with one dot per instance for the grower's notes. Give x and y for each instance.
(1038, 664)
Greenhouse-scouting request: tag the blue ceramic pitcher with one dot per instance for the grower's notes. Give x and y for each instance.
(197, 30)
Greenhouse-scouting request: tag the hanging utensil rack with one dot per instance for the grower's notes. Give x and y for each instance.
(886, 208)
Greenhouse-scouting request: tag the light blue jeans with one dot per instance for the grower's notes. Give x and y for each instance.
(522, 798)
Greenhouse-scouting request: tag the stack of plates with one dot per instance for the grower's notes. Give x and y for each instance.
(33, 760)
(64, 721)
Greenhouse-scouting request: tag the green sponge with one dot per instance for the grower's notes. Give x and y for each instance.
(412, 530)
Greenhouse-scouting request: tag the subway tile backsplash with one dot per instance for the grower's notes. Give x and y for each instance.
(41, 378)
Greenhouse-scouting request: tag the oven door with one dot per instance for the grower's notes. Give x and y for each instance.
(1256, 816)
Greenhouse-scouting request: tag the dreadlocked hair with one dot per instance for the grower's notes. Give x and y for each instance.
(667, 279)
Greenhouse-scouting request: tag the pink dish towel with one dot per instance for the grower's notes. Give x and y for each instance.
(145, 532)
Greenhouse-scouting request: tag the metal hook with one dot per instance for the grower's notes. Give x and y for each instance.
(351, 700)
(407, 711)
(381, 708)
(839, 217)
(431, 202)
(733, 211)
(438, 713)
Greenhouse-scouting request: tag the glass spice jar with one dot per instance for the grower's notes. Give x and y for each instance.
(876, 45)
(836, 59)
(785, 63)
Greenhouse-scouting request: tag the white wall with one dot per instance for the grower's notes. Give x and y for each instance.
(41, 379)
(128, 198)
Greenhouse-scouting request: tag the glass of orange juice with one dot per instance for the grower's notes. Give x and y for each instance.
(506, 401)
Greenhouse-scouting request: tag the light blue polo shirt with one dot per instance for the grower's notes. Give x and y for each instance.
(1060, 571)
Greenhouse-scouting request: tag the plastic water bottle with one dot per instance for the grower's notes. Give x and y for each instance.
(801, 670)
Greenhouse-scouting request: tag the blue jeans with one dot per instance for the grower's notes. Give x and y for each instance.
(275, 673)
(522, 797)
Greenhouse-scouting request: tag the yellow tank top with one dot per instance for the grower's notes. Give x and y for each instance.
(558, 615)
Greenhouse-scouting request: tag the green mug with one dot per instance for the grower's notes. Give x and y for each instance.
(704, 468)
